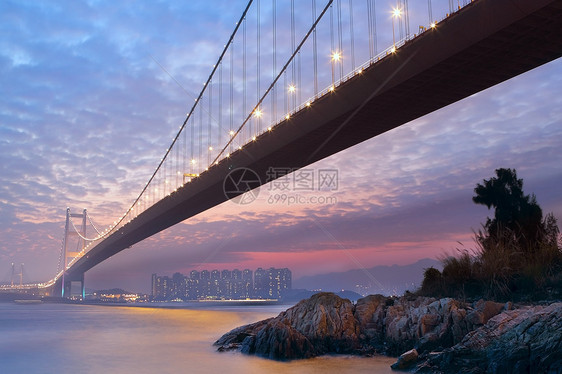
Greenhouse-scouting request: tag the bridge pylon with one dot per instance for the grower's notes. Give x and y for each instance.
(68, 254)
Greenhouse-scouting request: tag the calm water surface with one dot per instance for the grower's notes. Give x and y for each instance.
(64, 338)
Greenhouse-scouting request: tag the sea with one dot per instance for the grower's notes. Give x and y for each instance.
(75, 338)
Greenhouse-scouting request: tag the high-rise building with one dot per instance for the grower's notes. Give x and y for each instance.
(236, 274)
(215, 275)
(279, 282)
(154, 291)
(162, 287)
(247, 283)
(226, 274)
(261, 283)
(194, 274)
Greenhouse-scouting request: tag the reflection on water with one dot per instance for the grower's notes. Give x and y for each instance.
(61, 338)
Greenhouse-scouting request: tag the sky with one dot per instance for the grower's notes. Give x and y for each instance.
(87, 111)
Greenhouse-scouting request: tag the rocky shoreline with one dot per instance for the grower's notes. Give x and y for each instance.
(431, 335)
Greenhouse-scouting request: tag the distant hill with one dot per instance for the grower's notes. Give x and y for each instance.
(385, 280)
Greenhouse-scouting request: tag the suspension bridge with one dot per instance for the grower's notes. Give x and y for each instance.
(299, 81)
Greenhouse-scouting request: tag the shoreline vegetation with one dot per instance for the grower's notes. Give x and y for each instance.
(462, 319)
(518, 254)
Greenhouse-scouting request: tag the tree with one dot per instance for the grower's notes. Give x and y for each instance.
(514, 211)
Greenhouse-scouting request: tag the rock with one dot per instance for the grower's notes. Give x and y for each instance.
(279, 341)
(525, 340)
(406, 360)
(480, 337)
(488, 309)
(321, 324)
(428, 322)
(235, 338)
(370, 313)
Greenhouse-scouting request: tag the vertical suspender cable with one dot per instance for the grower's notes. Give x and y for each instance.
(429, 11)
(258, 63)
(400, 20)
(244, 83)
(200, 153)
(375, 34)
(332, 47)
(340, 37)
(219, 133)
(192, 144)
(209, 125)
(351, 35)
(370, 28)
(231, 125)
(274, 72)
(314, 49)
(293, 78)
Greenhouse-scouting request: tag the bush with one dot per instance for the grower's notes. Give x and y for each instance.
(518, 254)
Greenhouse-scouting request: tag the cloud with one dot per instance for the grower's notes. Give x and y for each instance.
(87, 113)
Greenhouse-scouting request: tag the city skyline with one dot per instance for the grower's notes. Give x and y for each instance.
(87, 113)
(225, 284)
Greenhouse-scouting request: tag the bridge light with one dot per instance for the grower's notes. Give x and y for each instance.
(257, 113)
(433, 24)
(332, 88)
(308, 103)
(287, 116)
(193, 161)
(231, 133)
(269, 128)
(396, 12)
(210, 148)
(254, 138)
(292, 88)
(336, 56)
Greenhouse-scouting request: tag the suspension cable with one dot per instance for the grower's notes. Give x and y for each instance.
(189, 114)
(275, 80)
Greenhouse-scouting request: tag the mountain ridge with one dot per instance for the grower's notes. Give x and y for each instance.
(383, 279)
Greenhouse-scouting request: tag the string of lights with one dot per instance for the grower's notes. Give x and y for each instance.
(209, 139)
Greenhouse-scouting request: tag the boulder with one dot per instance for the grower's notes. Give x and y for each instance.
(321, 324)
(406, 360)
(524, 340)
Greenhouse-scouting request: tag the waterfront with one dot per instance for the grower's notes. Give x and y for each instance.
(65, 338)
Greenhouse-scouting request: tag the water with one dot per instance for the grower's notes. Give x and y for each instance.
(65, 338)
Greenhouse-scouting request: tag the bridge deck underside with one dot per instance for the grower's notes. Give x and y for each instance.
(486, 43)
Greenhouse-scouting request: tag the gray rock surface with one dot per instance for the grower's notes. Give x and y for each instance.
(449, 335)
(406, 360)
(524, 340)
(321, 324)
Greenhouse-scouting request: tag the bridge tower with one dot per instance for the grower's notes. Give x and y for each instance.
(68, 254)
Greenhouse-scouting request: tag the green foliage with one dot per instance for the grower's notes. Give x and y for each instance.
(514, 211)
(518, 254)
(432, 282)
